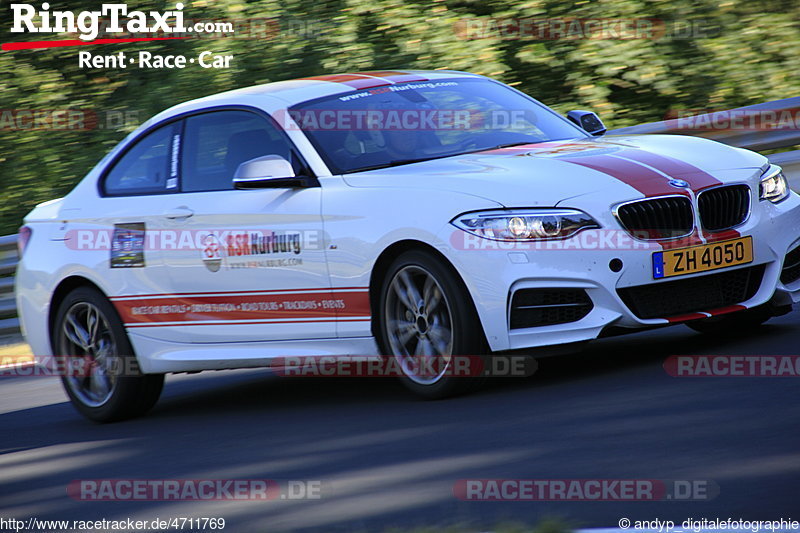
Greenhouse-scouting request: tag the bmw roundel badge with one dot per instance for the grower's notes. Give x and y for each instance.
(680, 184)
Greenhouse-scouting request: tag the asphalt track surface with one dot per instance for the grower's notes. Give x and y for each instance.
(387, 459)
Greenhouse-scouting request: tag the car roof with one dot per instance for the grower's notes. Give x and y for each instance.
(342, 83)
(292, 92)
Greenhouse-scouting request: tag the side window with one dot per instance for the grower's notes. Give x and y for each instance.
(145, 168)
(216, 143)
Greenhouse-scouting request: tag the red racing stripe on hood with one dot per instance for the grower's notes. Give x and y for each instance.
(698, 179)
(646, 181)
(641, 178)
(646, 172)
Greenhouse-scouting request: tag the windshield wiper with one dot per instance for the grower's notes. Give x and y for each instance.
(394, 163)
(509, 145)
(399, 162)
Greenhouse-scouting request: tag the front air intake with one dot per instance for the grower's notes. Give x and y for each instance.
(668, 217)
(546, 307)
(723, 208)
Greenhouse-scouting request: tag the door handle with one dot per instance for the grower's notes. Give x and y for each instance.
(179, 213)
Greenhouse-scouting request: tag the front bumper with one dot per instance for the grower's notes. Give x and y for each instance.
(495, 271)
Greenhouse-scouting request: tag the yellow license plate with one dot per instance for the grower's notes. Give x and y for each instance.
(682, 261)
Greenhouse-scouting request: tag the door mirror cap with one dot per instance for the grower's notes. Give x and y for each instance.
(267, 172)
(587, 121)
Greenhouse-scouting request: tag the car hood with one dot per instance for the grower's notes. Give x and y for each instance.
(544, 174)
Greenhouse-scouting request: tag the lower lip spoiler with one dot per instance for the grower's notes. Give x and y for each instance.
(706, 314)
(613, 331)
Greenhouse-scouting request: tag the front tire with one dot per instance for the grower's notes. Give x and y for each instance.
(426, 315)
(103, 379)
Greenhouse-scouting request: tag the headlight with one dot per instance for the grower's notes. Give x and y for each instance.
(773, 185)
(525, 224)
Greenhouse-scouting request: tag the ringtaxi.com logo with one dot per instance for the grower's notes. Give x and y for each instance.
(117, 17)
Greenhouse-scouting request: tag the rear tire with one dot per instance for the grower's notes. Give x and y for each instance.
(104, 383)
(426, 314)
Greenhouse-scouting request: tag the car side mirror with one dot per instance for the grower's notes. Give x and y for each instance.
(587, 121)
(267, 172)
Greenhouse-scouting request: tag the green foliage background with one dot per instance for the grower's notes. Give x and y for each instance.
(745, 52)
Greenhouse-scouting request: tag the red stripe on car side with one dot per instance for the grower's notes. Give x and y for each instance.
(216, 308)
(220, 293)
(224, 323)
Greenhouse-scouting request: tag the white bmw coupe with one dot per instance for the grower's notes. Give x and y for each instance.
(399, 214)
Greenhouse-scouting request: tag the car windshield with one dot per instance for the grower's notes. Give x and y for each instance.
(417, 121)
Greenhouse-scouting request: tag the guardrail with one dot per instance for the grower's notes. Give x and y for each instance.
(758, 136)
(757, 127)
